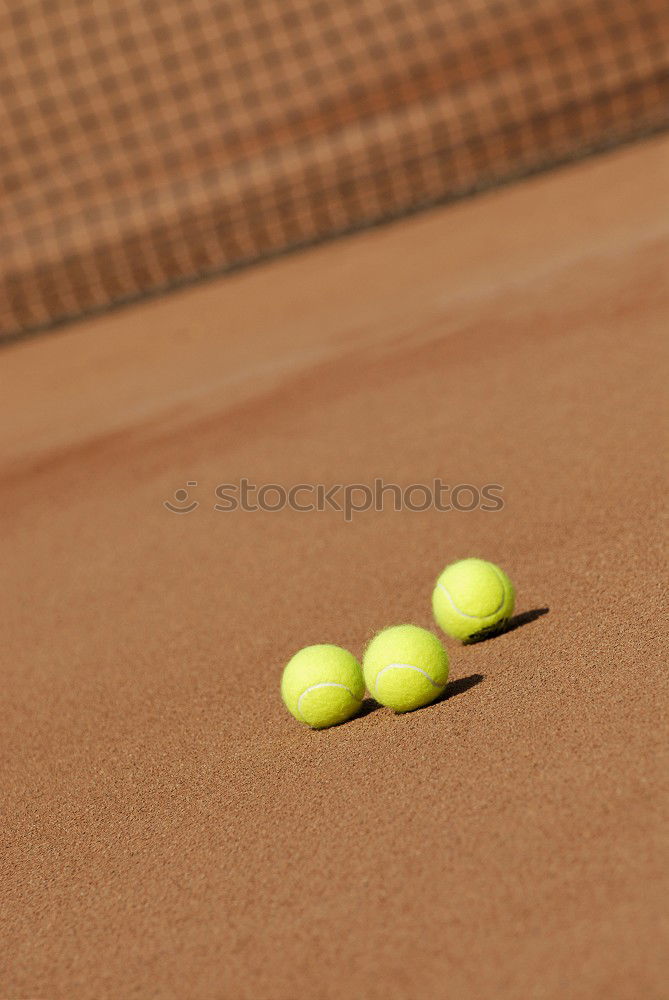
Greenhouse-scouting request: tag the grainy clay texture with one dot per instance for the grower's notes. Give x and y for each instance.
(168, 829)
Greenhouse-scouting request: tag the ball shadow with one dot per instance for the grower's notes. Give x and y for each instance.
(452, 689)
(517, 621)
(368, 706)
(459, 686)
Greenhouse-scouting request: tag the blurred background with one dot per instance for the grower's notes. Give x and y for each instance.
(148, 143)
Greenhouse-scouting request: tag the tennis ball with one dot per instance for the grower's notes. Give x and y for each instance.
(405, 667)
(322, 685)
(472, 597)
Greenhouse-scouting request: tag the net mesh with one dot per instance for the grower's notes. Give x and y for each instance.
(150, 142)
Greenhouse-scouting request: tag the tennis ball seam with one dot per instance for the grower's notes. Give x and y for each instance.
(405, 666)
(459, 611)
(324, 684)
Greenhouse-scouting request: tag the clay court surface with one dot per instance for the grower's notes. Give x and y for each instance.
(169, 830)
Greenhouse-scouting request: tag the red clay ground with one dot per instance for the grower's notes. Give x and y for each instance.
(169, 830)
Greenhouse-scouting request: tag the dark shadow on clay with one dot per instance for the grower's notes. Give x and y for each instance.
(510, 626)
(460, 686)
(368, 706)
(452, 689)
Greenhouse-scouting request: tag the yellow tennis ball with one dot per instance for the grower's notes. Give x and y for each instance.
(472, 597)
(322, 685)
(405, 667)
